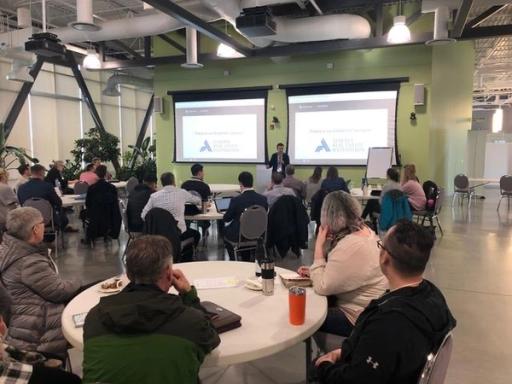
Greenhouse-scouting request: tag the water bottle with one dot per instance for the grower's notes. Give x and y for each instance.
(267, 277)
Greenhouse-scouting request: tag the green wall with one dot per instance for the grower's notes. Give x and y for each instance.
(416, 62)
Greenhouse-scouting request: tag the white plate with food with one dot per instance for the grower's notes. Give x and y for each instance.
(254, 284)
(111, 286)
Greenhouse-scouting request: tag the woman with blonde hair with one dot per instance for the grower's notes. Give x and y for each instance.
(8, 199)
(346, 262)
(412, 188)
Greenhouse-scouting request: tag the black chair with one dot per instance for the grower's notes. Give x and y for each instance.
(505, 190)
(80, 188)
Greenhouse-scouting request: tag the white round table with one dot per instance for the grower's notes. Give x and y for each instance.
(265, 328)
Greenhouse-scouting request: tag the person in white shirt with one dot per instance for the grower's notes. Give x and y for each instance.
(277, 189)
(173, 199)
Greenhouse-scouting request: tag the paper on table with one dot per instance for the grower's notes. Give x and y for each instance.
(292, 276)
(217, 282)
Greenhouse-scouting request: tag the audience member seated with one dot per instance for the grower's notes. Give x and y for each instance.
(173, 199)
(348, 268)
(396, 332)
(8, 199)
(237, 206)
(333, 182)
(277, 189)
(144, 334)
(89, 176)
(102, 208)
(312, 184)
(96, 161)
(54, 177)
(392, 183)
(24, 171)
(30, 277)
(137, 200)
(36, 187)
(197, 183)
(23, 367)
(291, 182)
(413, 189)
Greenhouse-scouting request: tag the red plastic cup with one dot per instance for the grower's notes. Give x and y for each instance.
(297, 303)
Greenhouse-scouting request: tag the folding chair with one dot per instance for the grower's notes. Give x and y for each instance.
(80, 188)
(131, 184)
(124, 217)
(462, 189)
(505, 190)
(434, 214)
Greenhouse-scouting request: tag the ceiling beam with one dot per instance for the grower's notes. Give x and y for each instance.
(485, 15)
(487, 32)
(285, 50)
(173, 43)
(181, 14)
(461, 18)
(122, 46)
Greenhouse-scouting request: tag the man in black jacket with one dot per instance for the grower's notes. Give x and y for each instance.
(137, 200)
(395, 333)
(279, 160)
(36, 187)
(237, 206)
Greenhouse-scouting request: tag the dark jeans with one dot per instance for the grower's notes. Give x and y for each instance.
(372, 206)
(44, 375)
(187, 254)
(336, 323)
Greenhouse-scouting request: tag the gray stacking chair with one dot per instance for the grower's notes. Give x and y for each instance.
(253, 230)
(46, 209)
(462, 189)
(80, 188)
(434, 371)
(131, 184)
(431, 215)
(505, 190)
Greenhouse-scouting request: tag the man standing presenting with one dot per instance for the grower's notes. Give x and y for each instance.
(279, 160)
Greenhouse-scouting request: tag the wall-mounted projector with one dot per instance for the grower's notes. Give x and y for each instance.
(256, 22)
(45, 44)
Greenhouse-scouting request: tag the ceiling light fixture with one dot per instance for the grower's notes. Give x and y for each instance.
(497, 121)
(91, 60)
(399, 32)
(227, 52)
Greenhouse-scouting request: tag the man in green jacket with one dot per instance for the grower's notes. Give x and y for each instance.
(144, 334)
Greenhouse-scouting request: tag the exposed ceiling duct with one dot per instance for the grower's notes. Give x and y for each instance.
(441, 18)
(84, 18)
(21, 61)
(112, 87)
(191, 49)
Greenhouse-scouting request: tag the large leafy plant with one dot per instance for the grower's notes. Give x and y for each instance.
(99, 144)
(10, 154)
(139, 161)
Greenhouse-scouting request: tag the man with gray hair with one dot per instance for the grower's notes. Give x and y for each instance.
(144, 334)
(31, 278)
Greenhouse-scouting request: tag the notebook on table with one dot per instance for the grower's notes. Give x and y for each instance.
(222, 319)
(222, 204)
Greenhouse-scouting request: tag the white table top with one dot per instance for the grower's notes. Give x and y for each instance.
(265, 328)
(210, 215)
(219, 188)
(70, 200)
(358, 194)
(483, 180)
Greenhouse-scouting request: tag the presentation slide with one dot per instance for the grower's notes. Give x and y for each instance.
(223, 131)
(339, 128)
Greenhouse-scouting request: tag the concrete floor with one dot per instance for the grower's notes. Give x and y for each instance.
(471, 264)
